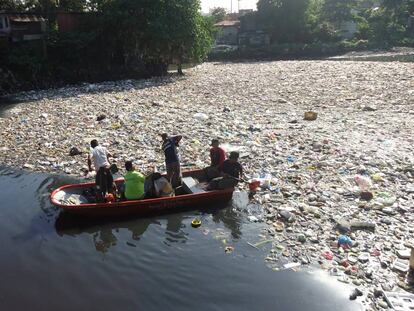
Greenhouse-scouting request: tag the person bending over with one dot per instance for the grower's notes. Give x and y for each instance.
(172, 160)
(100, 157)
(134, 183)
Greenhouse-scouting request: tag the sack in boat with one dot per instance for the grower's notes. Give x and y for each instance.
(90, 194)
(163, 187)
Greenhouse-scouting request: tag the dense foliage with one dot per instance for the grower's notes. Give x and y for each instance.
(219, 14)
(124, 38)
(116, 38)
(307, 21)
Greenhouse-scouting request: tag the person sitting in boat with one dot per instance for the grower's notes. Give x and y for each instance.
(231, 172)
(217, 158)
(103, 179)
(162, 187)
(172, 160)
(134, 183)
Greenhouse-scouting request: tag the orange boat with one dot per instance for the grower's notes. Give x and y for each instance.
(70, 198)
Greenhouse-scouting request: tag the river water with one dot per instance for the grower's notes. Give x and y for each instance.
(50, 261)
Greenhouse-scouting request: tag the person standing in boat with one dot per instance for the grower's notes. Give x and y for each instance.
(100, 157)
(217, 158)
(134, 183)
(172, 160)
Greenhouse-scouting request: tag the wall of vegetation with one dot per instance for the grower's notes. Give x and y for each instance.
(314, 27)
(115, 39)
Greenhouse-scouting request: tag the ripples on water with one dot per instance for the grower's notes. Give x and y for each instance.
(52, 261)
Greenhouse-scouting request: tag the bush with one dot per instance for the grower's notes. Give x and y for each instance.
(355, 45)
(27, 61)
(407, 42)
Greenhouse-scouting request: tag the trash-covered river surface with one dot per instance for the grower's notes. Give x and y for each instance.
(50, 261)
(328, 142)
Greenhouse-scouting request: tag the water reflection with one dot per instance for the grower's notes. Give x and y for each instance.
(103, 240)
(231, 219)
(105, 232)
(175, 231)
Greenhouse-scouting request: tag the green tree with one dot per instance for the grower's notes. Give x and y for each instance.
(12, 5)
(156, 31)
(189, 34)
(338, 11)
(284, 19)
(73, 5)
(388, 23)
(219, 14)
(318, 28)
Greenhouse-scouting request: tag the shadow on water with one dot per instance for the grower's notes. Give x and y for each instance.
(103, 231)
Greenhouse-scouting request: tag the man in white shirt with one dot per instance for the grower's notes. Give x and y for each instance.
(100, 157)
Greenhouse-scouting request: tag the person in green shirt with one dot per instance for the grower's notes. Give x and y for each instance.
(134, 183)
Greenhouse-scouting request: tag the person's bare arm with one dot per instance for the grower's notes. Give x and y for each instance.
(108, 155)
(89, 163)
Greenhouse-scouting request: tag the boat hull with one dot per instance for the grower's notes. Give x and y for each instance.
(142, 207)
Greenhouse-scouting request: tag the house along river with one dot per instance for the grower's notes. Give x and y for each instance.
(49, 261)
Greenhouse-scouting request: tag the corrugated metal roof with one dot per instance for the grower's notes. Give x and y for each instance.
(26, 18)
(227, 24)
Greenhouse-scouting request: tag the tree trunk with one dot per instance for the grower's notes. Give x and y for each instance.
(180, 69)
(180, 63)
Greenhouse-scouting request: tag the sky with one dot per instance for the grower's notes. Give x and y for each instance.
(206, 5)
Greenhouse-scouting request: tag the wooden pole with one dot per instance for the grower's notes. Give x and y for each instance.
(412, 259)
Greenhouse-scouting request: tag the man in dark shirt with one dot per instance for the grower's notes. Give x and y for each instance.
(231, 167)
(172, 161)
(231, 173)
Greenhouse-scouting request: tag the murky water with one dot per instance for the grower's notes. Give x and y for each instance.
(50, 261)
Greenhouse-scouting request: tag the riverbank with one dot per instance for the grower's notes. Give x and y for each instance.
(399, 54)
(10, 85)
(309, 197)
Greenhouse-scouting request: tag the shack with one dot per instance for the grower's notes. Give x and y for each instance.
(15, 27)
(229, 32)
(75, 21)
